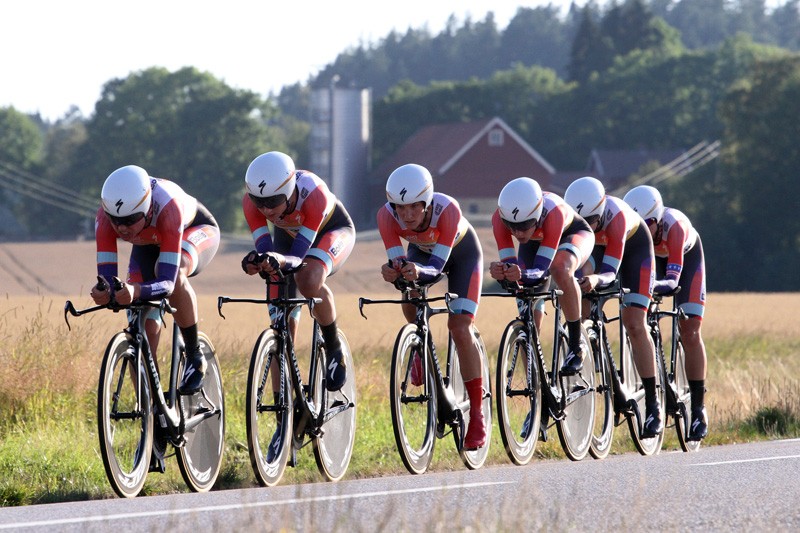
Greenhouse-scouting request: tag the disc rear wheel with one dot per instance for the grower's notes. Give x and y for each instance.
(575, 428)
(334, 447)
(200, 458)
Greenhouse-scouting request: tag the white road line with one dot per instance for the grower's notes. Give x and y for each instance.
(123, 516)
(778, 458)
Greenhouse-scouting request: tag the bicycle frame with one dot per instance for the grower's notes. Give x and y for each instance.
(286, 350)
(554, 398)
(654, 316)
(448, 405)
(597, 299)
(170, 405)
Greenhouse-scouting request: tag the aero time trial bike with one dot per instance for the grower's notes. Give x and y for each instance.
(677, 393)
(532, 396)
(429, 400)
(283, 413)
(620, 392)
(134, 413)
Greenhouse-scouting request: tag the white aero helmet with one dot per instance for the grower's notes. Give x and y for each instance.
(409, 184)
(646, 201)
(586, 196)
(521, 201)
(126, 192)
(270, 174)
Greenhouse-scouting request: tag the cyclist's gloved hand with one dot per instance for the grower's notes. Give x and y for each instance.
(665, 286)
(272, 262)
(250, 262)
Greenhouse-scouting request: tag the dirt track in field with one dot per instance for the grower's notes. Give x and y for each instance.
(68, 268)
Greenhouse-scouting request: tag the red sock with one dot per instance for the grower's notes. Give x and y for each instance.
(475, 391)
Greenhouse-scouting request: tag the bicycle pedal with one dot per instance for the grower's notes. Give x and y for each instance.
(542, 435)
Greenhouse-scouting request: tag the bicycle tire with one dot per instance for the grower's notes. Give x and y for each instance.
(266, 418)
(125, 442)
(636, 390)
(333, 448)
(603, 432)
(519, 394)
(200, 457)
(413, 406)
(575, 427)
(680, 384)
(474, 459)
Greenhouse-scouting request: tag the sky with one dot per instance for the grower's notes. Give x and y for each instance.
(59, 54)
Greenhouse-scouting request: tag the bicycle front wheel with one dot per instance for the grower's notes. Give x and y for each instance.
(474, 459)
(680, 384)
(519, 394)
(124, 418)
(413, 400)
(334, 447)
(575, 427)
(603, 432)
(269, 411)
(200, 457)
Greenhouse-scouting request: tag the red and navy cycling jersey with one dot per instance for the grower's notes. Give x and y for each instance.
(618, 224)
(557, 215)
(314, 210)
(446, 229)
(676, 237)
(172, 211)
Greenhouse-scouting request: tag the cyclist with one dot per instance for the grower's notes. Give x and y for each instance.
(624, 247)
(174, 237)
(552, 238)
(308, 225)
(440, 240)
(679, 261)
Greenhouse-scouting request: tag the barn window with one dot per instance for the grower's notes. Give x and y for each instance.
(496, 137)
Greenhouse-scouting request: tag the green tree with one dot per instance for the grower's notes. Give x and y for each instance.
(185, 126)
(760, 161)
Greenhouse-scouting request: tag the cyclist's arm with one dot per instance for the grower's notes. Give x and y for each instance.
(259, 227)
(106, 245)
(448, 229)
(390, 234)
(170, 231)
(616, 233)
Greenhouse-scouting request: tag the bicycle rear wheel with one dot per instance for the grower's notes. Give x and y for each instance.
(334, 447)
(413, 401)
(269, 411)
(633, 381)
(519, 397)
(680, 384)
(124, 418)
(474, 459)
(575, 428)
(200, 458)
(603, 432)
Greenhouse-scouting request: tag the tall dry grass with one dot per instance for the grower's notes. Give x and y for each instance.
(753, 344)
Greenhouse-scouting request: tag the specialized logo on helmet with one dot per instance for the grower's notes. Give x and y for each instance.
(579, 207)
(119, 205)
(261, 186)
(403, 193)
(515, 212)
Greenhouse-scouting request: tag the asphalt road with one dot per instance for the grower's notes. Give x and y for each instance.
(741, 487)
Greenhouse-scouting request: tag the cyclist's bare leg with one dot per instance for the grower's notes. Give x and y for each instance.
(695, 348)
(563, 270)
(183, 298)
(311, 284)
(469, 358)
(644, 354)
